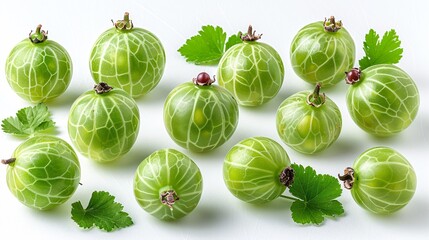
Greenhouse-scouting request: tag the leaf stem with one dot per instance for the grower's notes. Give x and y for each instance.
(288, 197)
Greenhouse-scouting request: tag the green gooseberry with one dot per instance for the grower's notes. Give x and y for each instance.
(309, 122)
(38, 69)
(129, 58)
(252, 71)
(43, 172)
(381, 180)
(103, 123)
(168, 184)
(200, 116)
(382, 100)
(257, 170)
(322, 51)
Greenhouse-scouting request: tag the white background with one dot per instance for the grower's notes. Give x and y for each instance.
(77, 24)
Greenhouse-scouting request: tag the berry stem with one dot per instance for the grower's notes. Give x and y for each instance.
(8, 161)
(316, 99)
(39, 35)
(127, 16)
(125, 24)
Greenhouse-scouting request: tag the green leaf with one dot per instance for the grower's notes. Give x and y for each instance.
(207, 47)
(232, 40)
(316, 195)
(102, 211)
(386, 51)
(28, 121)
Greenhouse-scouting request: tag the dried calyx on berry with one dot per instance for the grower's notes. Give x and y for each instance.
(39, 35)
(353, 76)
(102, 87)
(348, 178)
(125, 24)
(316, 99)
(331, 25)
(250, 35)
(203, 79)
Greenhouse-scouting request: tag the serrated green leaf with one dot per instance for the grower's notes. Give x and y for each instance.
(301, 213)
(28, 121)
(11, 125)
(232, 40)
(205, 48)
(316, 194)
(309, 213)
(44, 126)
(208, 46)
(102, 211)
(78, 215)
(386, 51)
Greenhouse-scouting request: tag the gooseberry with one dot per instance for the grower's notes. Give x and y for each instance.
(382, 99)
(168, 184)
(103, 123)
(129, 58)
(322, 51)
(43, 172)
(38, 69)
(381, 180)
(200, 116)
(252, 71)
(309, 122)
(257, 170)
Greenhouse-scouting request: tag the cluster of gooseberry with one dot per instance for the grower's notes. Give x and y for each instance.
(128, 62)
(383, 100)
